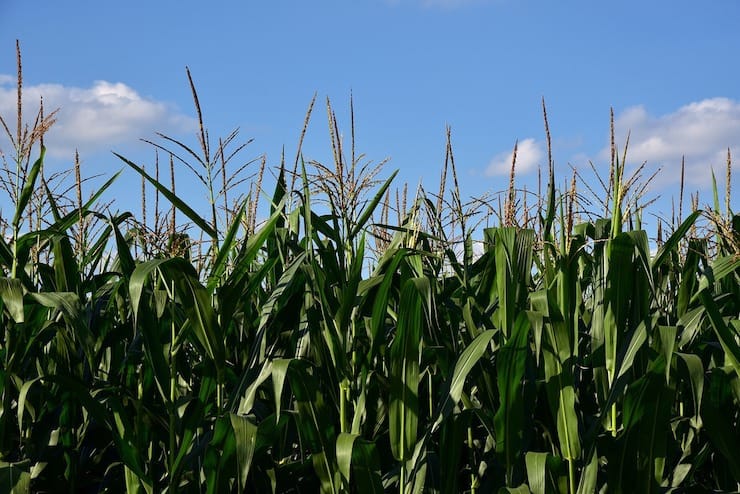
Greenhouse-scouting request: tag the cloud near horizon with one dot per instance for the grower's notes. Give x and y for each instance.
(95, 118)
(529, 156)
(700, 132)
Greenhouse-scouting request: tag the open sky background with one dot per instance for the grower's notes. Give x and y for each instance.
(116, 70)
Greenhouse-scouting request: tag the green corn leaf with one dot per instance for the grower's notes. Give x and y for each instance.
(672, 243)
(22, 401)
(345, 444)
(589, 475)
(139, 279)
(29, 185)
(219, 265)
(537, 471)
(558, 357)
(513, 254)
(691, 322)
(694, 370)
(647, 408)
(198, 306)
(316, 431)
(469, 357)
(725, 266)
(639, 337)
(279, 373)
(719, 424)
(255, 242)
(452, 439)
(505, 283)
(71, 309)
(619, 279)
(509, 421)
(272, 305)
(123, 439)
(194, 297)
(245, 432)
(561, 395)
(404, 393)
(380, 303)
(126, 261)
(370, 208)
(324, 472)
(15, 478)
(248, 386)
(689, 281)
(37, 239)
(219, 456)
(192, 417)
(175, 200)
(667, 345)
(281, 189)
(727, 336)
(366, 467)
(11, 293)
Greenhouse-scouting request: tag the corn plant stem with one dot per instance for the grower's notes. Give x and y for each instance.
(219, 393)
(429, 392)
(219, 373)
(402, 474)
(348, 387)
(614, 420)
(18, 187)
(343, 405)
(173, 389)
(571, 476)
(6, 398)
(472, 471)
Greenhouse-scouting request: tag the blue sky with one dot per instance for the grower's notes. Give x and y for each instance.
(116, 70)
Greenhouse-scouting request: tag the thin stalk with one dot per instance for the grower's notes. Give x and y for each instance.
(343, 394)
(473, 480)
(402, 473)
(728, 186)
(18, 160)
(402, 477)
(431, 403)
(571, 477)
(173, 390)
(613, 426)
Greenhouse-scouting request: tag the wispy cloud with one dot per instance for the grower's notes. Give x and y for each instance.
(701, 132)
(529, 156)
(94, 118)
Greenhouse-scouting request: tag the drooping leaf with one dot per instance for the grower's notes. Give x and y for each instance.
(245, 432)
(469, 357)
(176, 201)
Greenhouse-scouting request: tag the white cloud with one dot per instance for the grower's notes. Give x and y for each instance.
(529, 155)
(95, 118)
(700, 131)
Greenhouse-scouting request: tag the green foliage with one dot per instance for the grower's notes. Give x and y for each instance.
(564, 359)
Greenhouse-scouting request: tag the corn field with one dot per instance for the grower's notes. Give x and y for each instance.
(311, 342)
